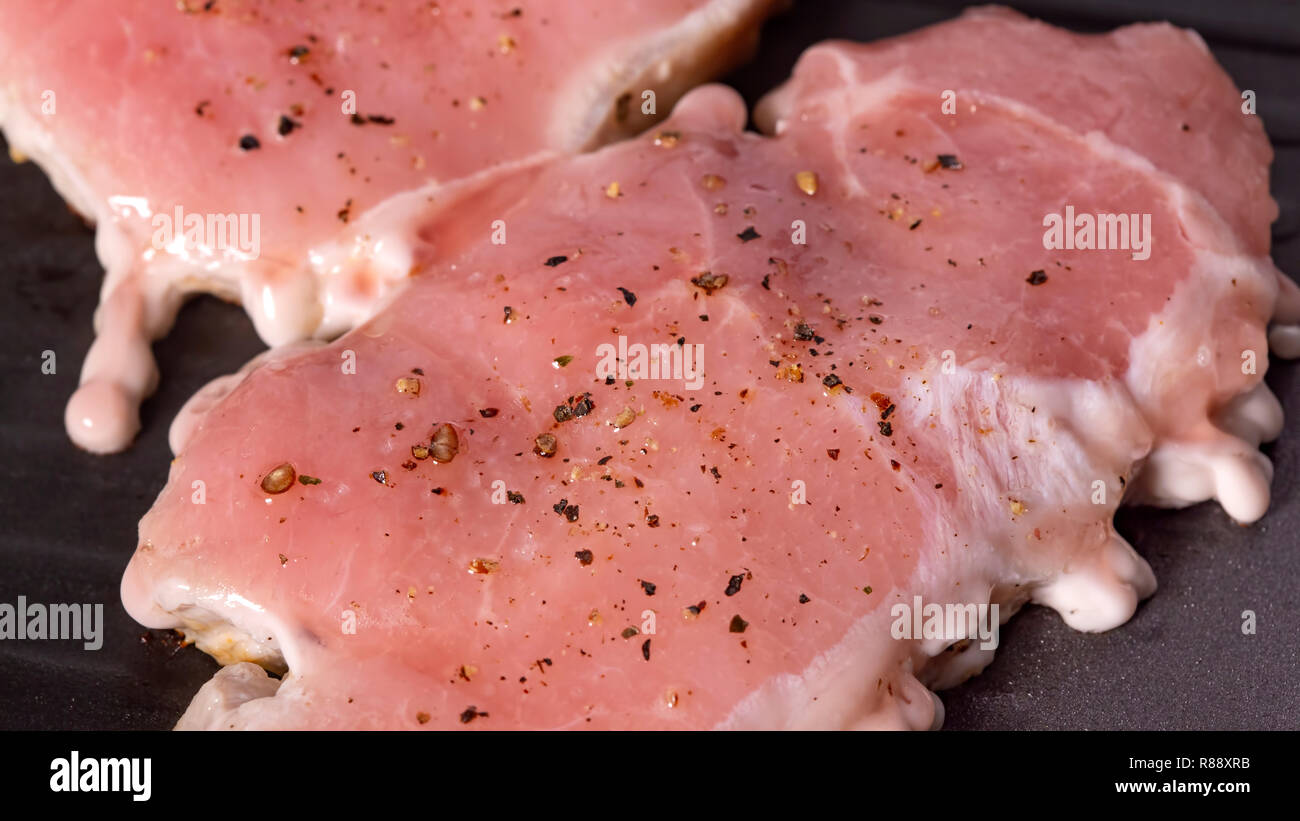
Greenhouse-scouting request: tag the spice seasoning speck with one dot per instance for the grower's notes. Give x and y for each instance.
(445, 444)
(544, 445)
(709, 281)
(733, 584)
(279, 479)
(807, 182)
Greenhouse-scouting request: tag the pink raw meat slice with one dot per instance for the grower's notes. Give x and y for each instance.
(902, 394)
(327, 123)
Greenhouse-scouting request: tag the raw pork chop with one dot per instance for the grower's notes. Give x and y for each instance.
(326, 123)
(490, 530)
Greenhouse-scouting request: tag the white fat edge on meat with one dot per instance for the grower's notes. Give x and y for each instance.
(1067, 433)
(670, 61)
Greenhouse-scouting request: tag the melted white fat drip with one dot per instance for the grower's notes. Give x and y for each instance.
(217, 703)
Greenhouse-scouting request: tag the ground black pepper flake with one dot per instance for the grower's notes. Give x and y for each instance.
(556, 260)
(832, 381)
(696, 408)
(559, 506)
(914, 225)
(488, 413)
(834, 453)
(286, 126)
(380, 476)
(748, 234)
(574, 407)
(803, 599)
(733, 584)
(471, 713)
(248, 143)
(648, 587)
(804, 332)
(571, 513)
(1036, 277)
(515, 497)
(645, 649)
(652, 520)
(604, 460)
(950, 161)
(629, 632)
(584, 557)
(737, 625)
(628, 296)
(886, 429)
